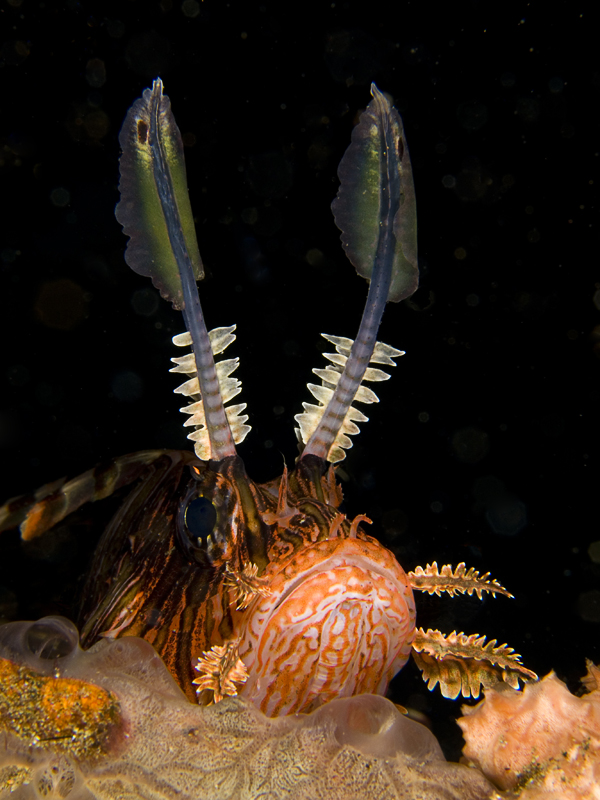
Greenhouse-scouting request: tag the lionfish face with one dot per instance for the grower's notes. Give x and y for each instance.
(338, 620)
(333, 615)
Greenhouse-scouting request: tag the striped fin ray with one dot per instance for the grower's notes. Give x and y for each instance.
(220, 339)
(155, 213)
(375, 210)
(330, 376)
(38, 512)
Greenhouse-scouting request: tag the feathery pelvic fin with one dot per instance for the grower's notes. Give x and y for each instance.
(462, 664)
(330, 376)
(220, 338)
(461, 581)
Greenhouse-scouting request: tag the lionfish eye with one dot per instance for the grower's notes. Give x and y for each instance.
(200, 517)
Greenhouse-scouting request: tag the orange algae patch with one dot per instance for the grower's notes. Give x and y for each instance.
(63, 713)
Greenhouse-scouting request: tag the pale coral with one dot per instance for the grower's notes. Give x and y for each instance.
(543, 743)
(159, 745)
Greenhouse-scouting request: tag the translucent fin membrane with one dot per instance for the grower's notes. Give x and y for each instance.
(220, 338)
(312, 414)
(375, 210)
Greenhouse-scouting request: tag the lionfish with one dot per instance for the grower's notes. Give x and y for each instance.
(265, 590)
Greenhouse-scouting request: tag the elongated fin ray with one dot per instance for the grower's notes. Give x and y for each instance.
(375, 210)
(155, 213)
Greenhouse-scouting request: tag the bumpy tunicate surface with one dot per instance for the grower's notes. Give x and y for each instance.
(158, 745)
(541, 743)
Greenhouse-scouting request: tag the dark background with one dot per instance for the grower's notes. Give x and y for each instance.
(484, 447)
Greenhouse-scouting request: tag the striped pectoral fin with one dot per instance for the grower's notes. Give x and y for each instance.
(464, 664)
(38, 512)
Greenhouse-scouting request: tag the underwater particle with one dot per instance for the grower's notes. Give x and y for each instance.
(61, 304)
(508, 516)
(249, 215)
(8, 255)
(319, 151)
(449, 181)
(594, 552)
(507, 80)
(315, 257)
(8, 604)
(190, 8)
(528, 109)
(60, 197)
(77, 717)
(127, 386)
(474, 182)
(149, 53)
(18, 375)
(48, 394)
(472, 116)
(95, 72)
(394, 523)
(145, 302)
(470, 445)
(472, 300)
(504, 512)
(96, 124)
(115, 28)
(423, 416)
(552, 425)
(354, 56)
(14, 52)
(588, 605)
(269, 174)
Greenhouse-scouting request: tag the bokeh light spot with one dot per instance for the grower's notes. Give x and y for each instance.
(470, 445)
(127, 386)
(61, 304)
(588, 605)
